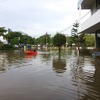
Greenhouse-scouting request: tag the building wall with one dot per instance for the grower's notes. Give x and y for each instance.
(94, 9)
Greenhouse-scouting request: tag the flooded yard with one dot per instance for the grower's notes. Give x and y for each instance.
(49, 76)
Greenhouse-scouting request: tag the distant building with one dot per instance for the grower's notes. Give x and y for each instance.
(92, 24)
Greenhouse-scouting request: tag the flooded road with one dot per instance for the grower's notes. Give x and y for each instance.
(49, 76)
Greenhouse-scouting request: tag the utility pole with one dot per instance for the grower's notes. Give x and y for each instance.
(46, 41)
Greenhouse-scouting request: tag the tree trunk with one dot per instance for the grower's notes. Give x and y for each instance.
(78, 45)
(59, 49)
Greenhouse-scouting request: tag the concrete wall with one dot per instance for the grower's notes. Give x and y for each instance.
(93, 20)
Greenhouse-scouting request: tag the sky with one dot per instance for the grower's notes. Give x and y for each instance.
(36, 17)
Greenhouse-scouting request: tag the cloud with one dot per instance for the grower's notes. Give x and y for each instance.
(36, 17)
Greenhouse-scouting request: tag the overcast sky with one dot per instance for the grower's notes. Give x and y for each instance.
(36, 17)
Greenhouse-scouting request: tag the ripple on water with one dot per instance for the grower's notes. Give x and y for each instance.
(49, 77)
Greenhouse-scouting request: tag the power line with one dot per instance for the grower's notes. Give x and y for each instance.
(66, 28)
(72, 24)
(84, 16)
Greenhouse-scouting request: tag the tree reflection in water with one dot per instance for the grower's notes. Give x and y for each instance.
(86, 78)
(8, 58)
(3, 62)
(59, 65)
(81, 80)
(93, 84)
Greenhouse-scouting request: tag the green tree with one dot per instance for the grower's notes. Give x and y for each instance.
(82, 40)
(30, 40)
(12, 35)
(69, 40)
(75, 37)
(25, 39)
(2, 31)
(59, 40)
(89, 40)
(44, 39)
(14, 41)
(78, 39)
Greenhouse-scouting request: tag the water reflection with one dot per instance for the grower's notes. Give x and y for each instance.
(45, 56)
(29, 56)
(8, 58)
(92, 83)
(30, 76)
(85, 75)
(76, 67)
(59, 64)
(96, 83)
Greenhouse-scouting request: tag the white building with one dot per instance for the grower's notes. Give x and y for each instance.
(92, 24)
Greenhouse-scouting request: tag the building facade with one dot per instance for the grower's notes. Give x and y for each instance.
(92, 24)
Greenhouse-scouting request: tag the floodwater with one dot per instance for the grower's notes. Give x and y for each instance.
(49, 76)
